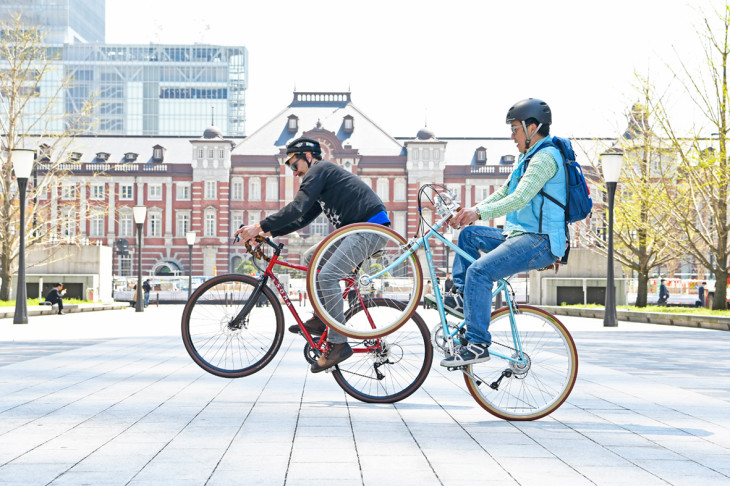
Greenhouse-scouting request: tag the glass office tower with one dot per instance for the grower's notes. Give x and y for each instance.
(65, 21)
(153, 89)
(158, 89)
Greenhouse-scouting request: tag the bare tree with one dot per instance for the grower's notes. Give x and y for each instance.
(31, 91)
(699, 188)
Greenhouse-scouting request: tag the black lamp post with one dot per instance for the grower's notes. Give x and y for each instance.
(190, 236)
(140, 213)
(611, 167)
(22, 165)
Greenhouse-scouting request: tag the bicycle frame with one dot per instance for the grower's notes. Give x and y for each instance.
(268, 273)
(501, 286)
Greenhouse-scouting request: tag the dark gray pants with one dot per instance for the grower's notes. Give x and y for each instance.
(338, 263)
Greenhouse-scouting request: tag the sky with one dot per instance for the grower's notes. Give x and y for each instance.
(454, 66)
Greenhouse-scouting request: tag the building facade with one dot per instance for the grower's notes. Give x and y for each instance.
(65, 21)
(211, 184)
(147, 90)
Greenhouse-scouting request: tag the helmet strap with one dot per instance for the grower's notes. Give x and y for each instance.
(528, 138)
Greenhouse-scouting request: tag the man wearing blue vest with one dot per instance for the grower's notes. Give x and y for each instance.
(533, 237)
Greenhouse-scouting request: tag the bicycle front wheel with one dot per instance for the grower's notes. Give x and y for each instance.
(390, 368)
(222, 339)
(355, 253)
(532, 390)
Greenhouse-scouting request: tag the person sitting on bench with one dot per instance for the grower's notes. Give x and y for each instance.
(54, 296)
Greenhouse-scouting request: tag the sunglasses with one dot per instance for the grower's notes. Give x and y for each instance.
(293, 164)
(514, 128)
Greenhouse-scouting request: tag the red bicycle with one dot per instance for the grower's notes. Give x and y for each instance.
(233, 326)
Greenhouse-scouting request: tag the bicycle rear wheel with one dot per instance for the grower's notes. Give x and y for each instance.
(390, 368)
(537, 389)
(221, 339)
(346, 246)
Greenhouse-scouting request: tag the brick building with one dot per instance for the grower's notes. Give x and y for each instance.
(213, 184)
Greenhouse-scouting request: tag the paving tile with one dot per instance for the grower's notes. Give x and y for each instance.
(123, 404)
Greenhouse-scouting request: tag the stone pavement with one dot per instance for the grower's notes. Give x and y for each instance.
(112, 398)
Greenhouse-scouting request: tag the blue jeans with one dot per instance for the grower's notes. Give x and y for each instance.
(502, 257)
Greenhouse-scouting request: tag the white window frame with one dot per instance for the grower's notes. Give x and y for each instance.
(97, 192)
(126, 224)
(400, 222)
(96, 225)
(320, 225)
(254, 189)
(400, 189)
(237, 189)
(383, 190)
(210, 223)
(68, 222)
(272, 189)
(211, 190)
(415, 152)
(182, 223)
(126, 192)
(183, 191)
(254, 216)
(154, 192)
(236, 220)
(68, 191)
(154, 223)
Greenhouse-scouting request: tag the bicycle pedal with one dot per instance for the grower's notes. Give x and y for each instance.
(456, 368)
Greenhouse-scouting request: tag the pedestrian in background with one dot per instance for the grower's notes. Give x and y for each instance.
(663, 294)
(55, 296)
(701, 295)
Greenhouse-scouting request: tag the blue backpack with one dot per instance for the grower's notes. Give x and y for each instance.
(579, 204)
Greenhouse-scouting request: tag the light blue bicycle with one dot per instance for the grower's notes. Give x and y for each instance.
(534, 362)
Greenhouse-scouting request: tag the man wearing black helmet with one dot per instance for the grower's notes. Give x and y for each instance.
(533, 236)
(345, 199)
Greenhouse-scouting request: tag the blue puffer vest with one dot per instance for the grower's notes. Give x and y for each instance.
(541, 215)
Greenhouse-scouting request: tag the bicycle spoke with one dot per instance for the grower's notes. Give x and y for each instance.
(215, 343)
(536, 389)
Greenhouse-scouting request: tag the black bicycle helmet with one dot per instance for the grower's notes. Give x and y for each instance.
(530, 108)
(527, 109)
(301, 146)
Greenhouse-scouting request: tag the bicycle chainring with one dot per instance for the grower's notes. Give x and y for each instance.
(438, 340)
(310, 354)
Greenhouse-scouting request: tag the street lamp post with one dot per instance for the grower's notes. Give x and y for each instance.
(22, 165)
(140, 213)
(611, 167)
(190, 236)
